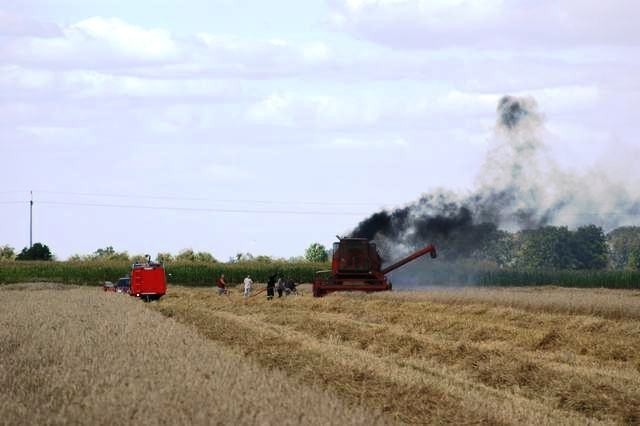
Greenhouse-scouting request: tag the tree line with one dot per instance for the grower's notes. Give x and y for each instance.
(549, 247)
(315, 253)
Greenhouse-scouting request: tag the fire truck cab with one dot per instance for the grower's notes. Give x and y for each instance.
(148, 280)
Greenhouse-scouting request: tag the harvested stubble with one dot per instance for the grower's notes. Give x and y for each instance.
(82, 356)
(600, 302)
(444, 360)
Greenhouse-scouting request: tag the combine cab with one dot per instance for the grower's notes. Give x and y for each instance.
(356, 266)
(147, 281)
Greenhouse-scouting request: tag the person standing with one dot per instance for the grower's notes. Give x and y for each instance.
(271, 283)
(290, 287)
(248, 282)
(280, 286)
(222, 285)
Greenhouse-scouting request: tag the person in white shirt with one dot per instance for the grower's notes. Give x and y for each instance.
(280, 286)
(248, 282)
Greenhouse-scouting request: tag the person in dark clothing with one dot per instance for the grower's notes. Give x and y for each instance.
(290, 287)
(271, 283)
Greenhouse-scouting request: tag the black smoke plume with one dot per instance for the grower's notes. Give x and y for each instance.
(520, 187)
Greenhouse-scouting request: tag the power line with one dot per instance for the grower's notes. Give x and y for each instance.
(295, 212)
(202, 209)
(136, 196)
(288, 212)
(175, 198)
(239, 210)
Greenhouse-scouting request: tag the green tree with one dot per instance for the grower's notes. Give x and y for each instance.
(241, 257)
(38, 251)
(589, 247)
(104, 253)
(109, 253)
(559, 248)
(622, 243)
(204, 257)
(633, 261)
(316, 252)
(137, 258)
(164, 257)
(501, 249)
(488, 244)
(77, 258)
(188, 255)
(546, 247)
(7, 253)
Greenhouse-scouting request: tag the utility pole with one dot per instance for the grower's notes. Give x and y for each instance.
(31, 220)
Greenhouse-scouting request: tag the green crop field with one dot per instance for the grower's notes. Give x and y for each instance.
(194, 274)
(203, 274)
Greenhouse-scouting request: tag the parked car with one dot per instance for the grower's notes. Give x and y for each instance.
(123, 285)
(108, 286)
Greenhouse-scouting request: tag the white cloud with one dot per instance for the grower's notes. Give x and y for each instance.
(382, 109)
(94, 43)
(565, 99)
(51, 134)
(143, 100)
(346, 142)
(316, 52)
(483, 23)
(277, 48)
(226, 173)
(17, 25)
(432, 11)
(257, 58)
(121, 37)
(275, 109)
(81, 84)
(116, 46)
(461, 103)
(287, 109)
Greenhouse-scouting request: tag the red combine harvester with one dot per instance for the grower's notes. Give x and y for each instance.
(356, 266)
(148, 280)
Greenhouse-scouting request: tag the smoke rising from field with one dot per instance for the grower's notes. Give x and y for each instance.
(519, 187)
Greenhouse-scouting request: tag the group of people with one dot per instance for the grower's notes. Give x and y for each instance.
(275, 284)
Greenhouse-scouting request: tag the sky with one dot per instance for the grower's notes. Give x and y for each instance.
(251, 126)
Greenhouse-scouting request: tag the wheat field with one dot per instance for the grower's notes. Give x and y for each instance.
(466, 356)
(502, 356)
(82, 356)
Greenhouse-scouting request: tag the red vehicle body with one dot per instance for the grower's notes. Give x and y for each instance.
(148, 281)
(356, 266)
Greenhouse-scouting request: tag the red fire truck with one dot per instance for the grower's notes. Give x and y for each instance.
(148, 280)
